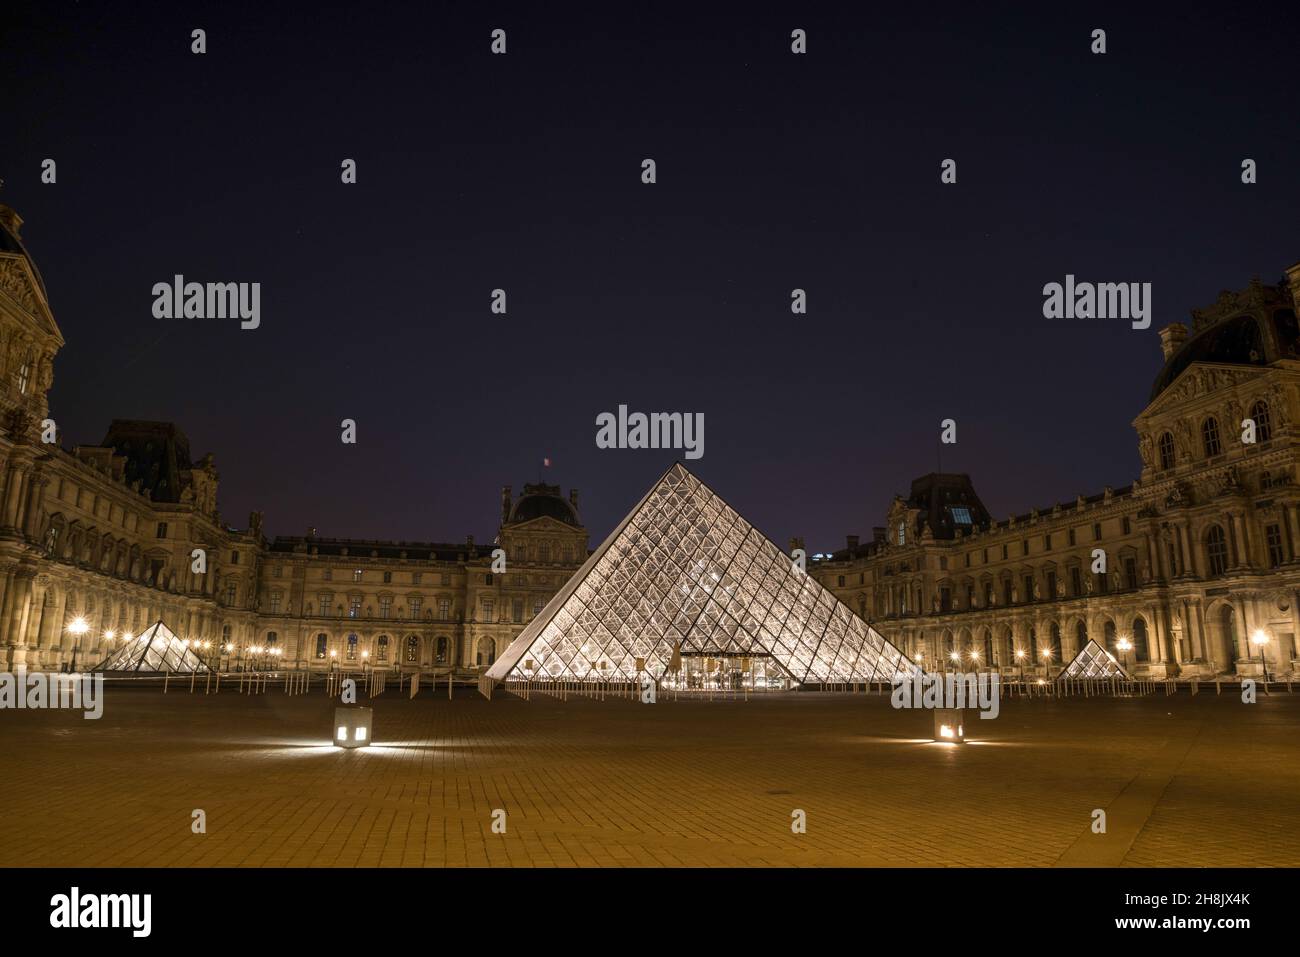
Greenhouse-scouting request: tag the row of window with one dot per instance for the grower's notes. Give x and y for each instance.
(1211, 443)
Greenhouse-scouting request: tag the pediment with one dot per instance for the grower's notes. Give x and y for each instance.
(1201, 379)
(19, 286)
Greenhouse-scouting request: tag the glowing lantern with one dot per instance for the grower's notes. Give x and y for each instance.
(352, 727)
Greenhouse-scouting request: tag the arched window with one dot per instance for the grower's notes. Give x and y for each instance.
(1141, 649)
(1056, 642)
(1166, 450)
(1109, 632)
(1263, 422)
(1033, 645)
(1080, 636)
(487, 652)
(412, 648)
(1216, 551)
(902, 533)
(352, 647)
(383, 647)
(321, 641)
(442, 650)
(1210, 437)
(272, 639)
(988, 647)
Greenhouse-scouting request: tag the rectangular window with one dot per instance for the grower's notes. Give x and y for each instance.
(489, 609)
(1273, 535)
(415, 606)
(1076, 583)
(1130, 573)
(1070, 536)
(968, 559)
(517, 610)
(356, 575)
(1128, 525)
(415, 578)
(1024, 547)
(354, 607)
(841, 581)
(388, 578)
(1047, 542)
(444, 609)
(385, 607)
(234, 558)
(162, 529)
(1006, 590)
(1051, 585)
(277, 571)
(326, 603)
(446, 578)
(1096, 531)
(1004, 553)
(1029, 588)
(275, 603)
(327, 575)
(945, 600)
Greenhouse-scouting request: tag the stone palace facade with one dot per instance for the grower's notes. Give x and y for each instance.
(1201, 553)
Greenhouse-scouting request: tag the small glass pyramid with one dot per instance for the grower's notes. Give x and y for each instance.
(1093, 661)
(685, 575)
(155, 649)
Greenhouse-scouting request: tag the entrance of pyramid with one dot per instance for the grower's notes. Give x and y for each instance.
(713, 672)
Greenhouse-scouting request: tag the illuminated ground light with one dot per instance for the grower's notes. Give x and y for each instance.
(950, 725)
(352, 727)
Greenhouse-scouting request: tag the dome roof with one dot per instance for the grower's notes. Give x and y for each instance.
(1256, 327)
(543, 501)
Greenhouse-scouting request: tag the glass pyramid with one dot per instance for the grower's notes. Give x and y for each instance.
(155, 649)
(684, 574)
(1093, 661)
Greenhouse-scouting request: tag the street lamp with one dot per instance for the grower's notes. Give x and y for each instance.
(1047, 659)
(1124, 646)
(955, 656)
(1020, 657)
(1259, 640)
(77, 627)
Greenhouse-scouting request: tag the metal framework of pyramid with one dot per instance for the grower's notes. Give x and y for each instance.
(1093, 661)
(684, 572)
(155, 649)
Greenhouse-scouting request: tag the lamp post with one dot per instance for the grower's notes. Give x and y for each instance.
(955, 657)
(1124, 646)
(76, 627)
(1020, 657)
(1047, 660)
(1259, 639)
(975, 660)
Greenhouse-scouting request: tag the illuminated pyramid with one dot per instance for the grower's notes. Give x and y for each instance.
(1093, 661)
(155, 649)
(685, 575)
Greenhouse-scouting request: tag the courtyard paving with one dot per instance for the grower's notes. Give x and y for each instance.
(1185, 780)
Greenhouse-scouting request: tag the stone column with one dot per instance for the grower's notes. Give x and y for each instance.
(15, 624)
(13, 489)
(1293, 531)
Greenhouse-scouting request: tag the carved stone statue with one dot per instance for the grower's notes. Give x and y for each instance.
(1146, 448)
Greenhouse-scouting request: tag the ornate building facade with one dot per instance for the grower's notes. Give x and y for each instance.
(107, 536)
(1199, 556)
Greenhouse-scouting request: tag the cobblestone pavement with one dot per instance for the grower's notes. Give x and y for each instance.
(1185, 780)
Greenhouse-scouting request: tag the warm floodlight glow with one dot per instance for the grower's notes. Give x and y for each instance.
(78, 626)
(361, 734)
(333, 653)
(343, 733)
(109, 634)
(945, 731)
(974, 655)
(366, 653)
(1020, 653)
(1259, 638)
(1124, 645)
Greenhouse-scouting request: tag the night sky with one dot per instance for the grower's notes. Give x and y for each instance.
(523, 171)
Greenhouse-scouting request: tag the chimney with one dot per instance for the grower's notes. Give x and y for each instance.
(1172, 338)
(853, 542)
(505, 504)
(1293, 281)
(796, 543)
(878, 534)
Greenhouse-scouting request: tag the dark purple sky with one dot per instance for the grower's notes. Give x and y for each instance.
(522, 171)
